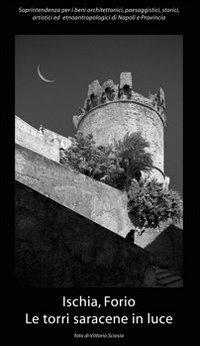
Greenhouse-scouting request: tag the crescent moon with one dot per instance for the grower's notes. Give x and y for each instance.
(42, 77)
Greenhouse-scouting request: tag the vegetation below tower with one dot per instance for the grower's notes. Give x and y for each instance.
(120, 165)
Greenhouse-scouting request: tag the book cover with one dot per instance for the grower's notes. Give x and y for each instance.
(99, 184)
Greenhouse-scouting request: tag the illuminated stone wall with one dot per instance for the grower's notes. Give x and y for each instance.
(43, 142)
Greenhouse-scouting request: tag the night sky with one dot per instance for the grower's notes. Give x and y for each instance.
(74, 61)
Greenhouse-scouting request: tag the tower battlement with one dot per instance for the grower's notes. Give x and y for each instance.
(109, 92)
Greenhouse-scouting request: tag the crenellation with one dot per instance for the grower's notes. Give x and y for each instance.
(76, 120)
(110, 92)
(125, 79)
(94, 95)
(158, 103)
(94, 88)
(108, 84)
(87, 105)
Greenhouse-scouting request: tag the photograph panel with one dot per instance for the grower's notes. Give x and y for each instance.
(98, 160)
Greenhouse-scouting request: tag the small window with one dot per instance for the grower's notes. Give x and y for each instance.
(127, 90)
(108, 92)
(93, 99)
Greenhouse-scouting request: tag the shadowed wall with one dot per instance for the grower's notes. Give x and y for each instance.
(56, 247)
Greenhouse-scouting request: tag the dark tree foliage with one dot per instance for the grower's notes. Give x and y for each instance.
(133, 156)
(115, 165)
(149, 204)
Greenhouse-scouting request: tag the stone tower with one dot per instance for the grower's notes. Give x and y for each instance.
(112, 110)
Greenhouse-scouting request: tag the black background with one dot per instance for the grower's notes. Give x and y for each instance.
(181, 303)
